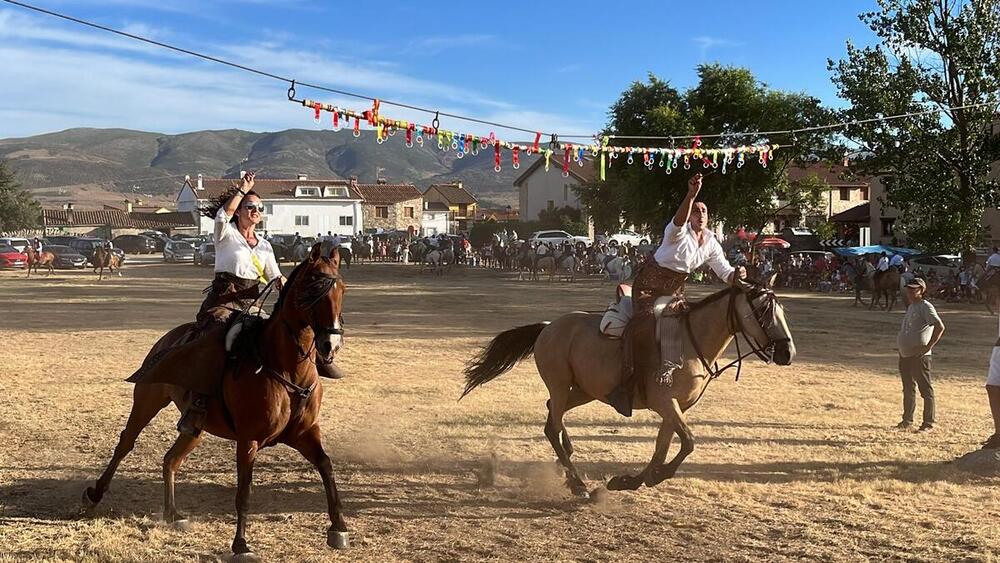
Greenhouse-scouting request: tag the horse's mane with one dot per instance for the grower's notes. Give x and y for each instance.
(709, 299)
(314, 291)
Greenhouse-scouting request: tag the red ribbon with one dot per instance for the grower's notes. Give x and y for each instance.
(336, 119)
(516, 157)
(496, 155)
(566, 159)
(409, 134)
(357, 125)
(318, 107)
(538, 137)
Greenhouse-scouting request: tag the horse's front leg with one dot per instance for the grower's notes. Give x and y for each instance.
(246, 454)
(657, 474)
(633, 482)
(310, 445)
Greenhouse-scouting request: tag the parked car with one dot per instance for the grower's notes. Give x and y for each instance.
(134, 244)
(11, 257)
(204, 255)
(625, 235)
(59, 239)
(67, 258)
(552, 238)
(178, 251)
(577, 239)
(159, 239)
(943, 264)
(87, 245)
(18, 243)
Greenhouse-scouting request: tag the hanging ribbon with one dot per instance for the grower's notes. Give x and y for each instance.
(566, 158)
(496, 156)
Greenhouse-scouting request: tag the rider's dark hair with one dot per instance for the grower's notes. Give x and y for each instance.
(212, 208)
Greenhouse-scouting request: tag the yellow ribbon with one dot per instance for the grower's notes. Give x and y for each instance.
(260, 268)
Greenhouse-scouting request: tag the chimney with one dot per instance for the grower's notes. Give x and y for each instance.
(426, 205)
(128, 207)
(354, 181)
(381, 181)
(201, 186)
(69, 213)
(302, 176)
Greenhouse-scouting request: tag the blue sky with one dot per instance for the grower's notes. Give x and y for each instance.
(549, 66)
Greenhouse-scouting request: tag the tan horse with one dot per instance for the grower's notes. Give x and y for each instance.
(885, 284)
(579, 365)
(105, 258)
(35, 260)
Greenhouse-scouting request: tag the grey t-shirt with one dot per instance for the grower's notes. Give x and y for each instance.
(918, 325)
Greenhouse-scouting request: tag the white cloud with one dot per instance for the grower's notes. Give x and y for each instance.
(706, 43)
(58, 78)
(438, 44)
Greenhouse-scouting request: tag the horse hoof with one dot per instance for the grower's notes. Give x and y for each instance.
(599, 495)
(248, 557)
(86, 503)
(623, 483)
(338, 540)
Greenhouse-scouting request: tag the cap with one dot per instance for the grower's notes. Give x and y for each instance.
(917, 282)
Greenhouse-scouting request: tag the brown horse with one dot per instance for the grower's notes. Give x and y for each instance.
(990, 286)
(105, 258)
(579, 365)
(35, 260)
(268, 400)
(885, 284)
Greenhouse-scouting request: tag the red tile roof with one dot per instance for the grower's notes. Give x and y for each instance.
(831, 174)
(267, 188)
(387, 194)
(117, 219)
(455, 194)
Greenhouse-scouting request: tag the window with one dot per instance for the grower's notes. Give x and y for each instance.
(864, 193)
(887, 227)
(463, 210)
(308, 191)
(346, 221)
(408, 212)
(336, 191)
(845, 194)
(301, 220)
(269, 208)
(382, 212)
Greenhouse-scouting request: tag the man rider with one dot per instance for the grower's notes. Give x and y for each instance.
(883, 263)
(687, 244)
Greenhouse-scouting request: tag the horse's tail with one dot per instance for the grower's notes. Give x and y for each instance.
(501, 354)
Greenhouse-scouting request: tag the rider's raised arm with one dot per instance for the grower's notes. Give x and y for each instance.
(226, 212)
(684, 211)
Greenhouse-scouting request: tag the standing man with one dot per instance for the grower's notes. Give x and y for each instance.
(883, 263)
(921, 330)
(993, 262)
(896, 262)
(993, 393)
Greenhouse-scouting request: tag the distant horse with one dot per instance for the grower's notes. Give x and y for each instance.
(268, 400)
(35, 260)
(990, 286)
(438, 260)
(361, 251)
(105, 258)
(579, 365)
(557, 266)
(885, 284)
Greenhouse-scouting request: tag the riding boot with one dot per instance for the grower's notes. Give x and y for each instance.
(620, 398)
(329, 370)
(193, 418)
(670, 350)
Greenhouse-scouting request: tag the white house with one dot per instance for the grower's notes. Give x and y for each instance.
(539, 190)
(296, 205)
(435, 219)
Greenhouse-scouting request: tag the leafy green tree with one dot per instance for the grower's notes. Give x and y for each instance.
(931, 54)
(566, 218)
(729, 101)
(18, 209)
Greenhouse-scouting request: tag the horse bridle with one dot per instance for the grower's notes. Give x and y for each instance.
(766, 319)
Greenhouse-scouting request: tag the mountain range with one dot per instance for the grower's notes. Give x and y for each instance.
(91, 167)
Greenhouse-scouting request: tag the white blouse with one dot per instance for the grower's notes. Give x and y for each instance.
(234, 255)
(681, 252)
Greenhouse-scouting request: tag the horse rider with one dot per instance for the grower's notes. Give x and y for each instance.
(897, 262)
(37, 245)
(883, 263)
(687, 244)
(993, 262)
(242, 262)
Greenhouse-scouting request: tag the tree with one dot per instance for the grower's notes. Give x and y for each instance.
(18, 209)
(931, 54)
(729, 101)
(566, 218)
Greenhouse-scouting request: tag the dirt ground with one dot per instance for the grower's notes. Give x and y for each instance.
(800, 462)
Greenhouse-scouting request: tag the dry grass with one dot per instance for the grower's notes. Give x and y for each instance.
(790, 463)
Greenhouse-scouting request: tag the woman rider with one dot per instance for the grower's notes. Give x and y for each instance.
(243, 261)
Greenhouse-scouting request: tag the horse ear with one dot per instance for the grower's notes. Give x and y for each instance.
(769, 282)
(335, 256)
(316, 252)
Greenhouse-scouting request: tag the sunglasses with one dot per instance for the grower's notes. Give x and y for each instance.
(251, 206)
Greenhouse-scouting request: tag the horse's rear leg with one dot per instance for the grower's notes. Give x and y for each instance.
(183, 446)
(576, 398)
(557, 404)
(310, 445)
(147, 401)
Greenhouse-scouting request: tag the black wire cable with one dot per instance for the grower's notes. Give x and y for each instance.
(272, 75)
